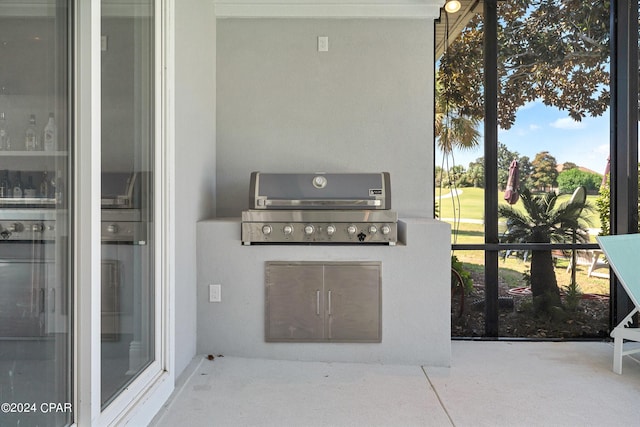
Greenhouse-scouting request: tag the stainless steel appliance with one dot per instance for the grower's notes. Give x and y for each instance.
(36, 219)
(311, 208)
(122, 198)
(28, 225)
(29, 230)
(28, 275)
(124, 240)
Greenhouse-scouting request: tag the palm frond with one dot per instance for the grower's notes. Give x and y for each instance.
(543, 222)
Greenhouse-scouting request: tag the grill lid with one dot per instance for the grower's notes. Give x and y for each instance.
(320, 191)
(118, 189)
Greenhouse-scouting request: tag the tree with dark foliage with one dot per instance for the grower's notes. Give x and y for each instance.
(545, 171)
(555, 51)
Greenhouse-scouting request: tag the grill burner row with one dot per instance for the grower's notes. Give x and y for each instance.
(329, 208)
(121, 216)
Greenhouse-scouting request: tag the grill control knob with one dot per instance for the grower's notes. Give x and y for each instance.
(266, 229)
(309, 229)
(288, 229)
(37, 228)
(331, 230)
(16, 227)
(319, 181)
(113, 228)
(352, 229)
(373, 229)
(385, 229)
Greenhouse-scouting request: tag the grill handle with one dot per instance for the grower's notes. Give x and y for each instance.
(318, 203)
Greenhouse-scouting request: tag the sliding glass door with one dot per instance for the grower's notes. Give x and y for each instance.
(128, 240)
(36, 305)
(79, 334)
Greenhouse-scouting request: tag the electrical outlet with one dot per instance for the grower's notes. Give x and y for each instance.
(215, 293)
(323, 44)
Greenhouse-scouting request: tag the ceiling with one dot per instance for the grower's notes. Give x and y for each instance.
(457, 22)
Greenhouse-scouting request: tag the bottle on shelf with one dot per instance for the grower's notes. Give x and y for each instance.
(5, 186)
(59, 191)
(5, 141)
(45, 186)
(17, 186)
(29, 189)
(51, 134)
(31, 140)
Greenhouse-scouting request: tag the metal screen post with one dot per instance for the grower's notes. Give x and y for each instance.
(624, 134)
(491, 166)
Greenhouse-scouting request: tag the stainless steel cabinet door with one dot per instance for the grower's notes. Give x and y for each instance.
(315, 301)
(353, 302)
(294, 302)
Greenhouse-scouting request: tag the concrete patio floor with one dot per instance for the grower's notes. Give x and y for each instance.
(488, 384)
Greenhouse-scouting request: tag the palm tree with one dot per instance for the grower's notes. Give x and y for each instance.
(542, 222)
(452, 129)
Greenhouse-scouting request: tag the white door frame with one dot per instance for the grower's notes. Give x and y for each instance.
(141, 400)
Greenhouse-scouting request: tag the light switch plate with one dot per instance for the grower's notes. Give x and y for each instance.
(215, 293)
(323, 43)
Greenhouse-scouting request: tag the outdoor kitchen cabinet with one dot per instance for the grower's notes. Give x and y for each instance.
(321, 302)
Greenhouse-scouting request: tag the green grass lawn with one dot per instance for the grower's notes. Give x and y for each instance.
(469, 204)
(511, 271)
(471, 207)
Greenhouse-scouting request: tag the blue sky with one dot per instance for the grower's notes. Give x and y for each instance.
(540, 128)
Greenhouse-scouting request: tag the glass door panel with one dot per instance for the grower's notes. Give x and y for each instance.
(554, 123)
(35, 308)
(460, 164)
(127, 294)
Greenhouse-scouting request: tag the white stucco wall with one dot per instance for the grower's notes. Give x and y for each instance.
(195, 136)
(365, 105)
(255, 94)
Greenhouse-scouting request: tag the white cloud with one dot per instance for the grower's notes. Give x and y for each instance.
(534, 127)
(602, 149)
(567, 123)
(530, 104)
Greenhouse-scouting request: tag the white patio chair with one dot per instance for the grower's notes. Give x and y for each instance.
(622, 253)
(592, 260)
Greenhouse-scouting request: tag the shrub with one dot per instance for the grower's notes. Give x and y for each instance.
(571, 179)
(457, 265)
(603, 205)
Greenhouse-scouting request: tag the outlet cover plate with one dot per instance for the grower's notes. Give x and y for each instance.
(215, 293)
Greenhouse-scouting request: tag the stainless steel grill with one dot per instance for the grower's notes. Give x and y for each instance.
(30, 219)
(121, 204)
(319, 208)
(28, 224)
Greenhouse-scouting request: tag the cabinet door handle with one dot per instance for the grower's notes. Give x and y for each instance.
(42, 296)
(329, 303)
(317, 303)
